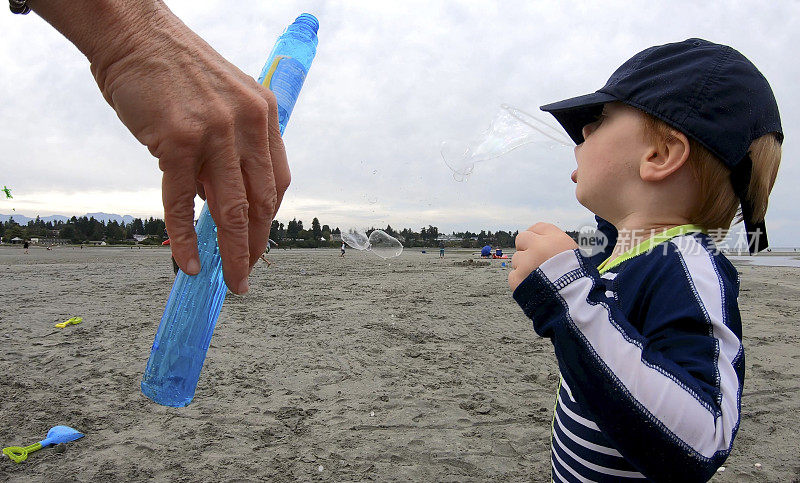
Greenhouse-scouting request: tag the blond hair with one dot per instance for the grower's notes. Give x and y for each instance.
(718, 204)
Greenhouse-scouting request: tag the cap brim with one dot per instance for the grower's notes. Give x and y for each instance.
(577, 112)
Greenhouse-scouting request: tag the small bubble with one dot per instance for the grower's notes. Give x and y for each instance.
(374, 171)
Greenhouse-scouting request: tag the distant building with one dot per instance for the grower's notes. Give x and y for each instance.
(51, 241)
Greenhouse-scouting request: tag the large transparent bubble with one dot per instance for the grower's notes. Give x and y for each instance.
(384, 245)
(356, 239)
(510, 128)
(378, 242)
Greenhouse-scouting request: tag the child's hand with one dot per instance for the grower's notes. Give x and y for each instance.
(536, 245)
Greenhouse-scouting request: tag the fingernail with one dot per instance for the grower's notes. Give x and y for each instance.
(243, 287)
(193, 266)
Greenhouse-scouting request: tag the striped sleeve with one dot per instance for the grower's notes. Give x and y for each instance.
(665, 391)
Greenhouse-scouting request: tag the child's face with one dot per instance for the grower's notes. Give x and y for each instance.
(608, 160)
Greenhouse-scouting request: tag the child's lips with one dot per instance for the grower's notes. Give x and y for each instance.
(574, 176)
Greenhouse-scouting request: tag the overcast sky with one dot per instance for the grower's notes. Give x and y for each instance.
(390, 82)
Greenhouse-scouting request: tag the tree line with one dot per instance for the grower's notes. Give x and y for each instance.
(82, 229)
(294, 234)
(291, 234)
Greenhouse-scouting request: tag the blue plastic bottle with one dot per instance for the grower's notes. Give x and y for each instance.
(195, 302)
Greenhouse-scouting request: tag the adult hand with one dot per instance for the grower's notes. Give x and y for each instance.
(535, 246)
(213, 129)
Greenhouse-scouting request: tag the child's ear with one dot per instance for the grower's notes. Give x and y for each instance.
(664, 157)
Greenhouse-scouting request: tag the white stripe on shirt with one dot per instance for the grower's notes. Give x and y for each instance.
(553, 466)
(574, 473)
(709, 293)
(566, 388)
(586, 444)
(578, 419)
(592, 466)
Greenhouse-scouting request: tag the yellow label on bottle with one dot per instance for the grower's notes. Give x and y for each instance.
(268, 78)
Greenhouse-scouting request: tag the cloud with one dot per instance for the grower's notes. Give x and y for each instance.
(391, 81)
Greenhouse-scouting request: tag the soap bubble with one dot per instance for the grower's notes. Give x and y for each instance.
(356, 239)
(378, 242)
(384, 245)
(510, 128)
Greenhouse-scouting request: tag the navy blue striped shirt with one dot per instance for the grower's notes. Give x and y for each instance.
(650, 357)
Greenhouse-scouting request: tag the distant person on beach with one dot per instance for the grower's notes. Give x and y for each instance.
(648, 336)
(341, 255)
(270, 242)
(213, 128)
(26, 245)
(441, 250)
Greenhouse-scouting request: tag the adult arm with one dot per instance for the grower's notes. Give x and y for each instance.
(213, 129)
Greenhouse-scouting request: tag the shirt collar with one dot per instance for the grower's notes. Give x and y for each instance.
(648, 245)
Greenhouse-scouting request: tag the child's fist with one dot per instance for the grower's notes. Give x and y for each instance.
(536, 245)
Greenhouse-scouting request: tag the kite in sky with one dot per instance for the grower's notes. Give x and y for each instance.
(7, 191)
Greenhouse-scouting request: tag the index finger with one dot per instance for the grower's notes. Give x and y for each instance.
(542, 228)
(524, 240)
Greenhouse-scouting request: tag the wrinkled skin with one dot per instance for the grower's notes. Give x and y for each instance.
(213, 129)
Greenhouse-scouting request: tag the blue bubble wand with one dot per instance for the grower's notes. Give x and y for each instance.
(194, 304)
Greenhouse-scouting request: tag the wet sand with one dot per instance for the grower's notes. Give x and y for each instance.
(329, 369)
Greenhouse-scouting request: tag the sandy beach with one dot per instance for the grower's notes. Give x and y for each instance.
(329, 369)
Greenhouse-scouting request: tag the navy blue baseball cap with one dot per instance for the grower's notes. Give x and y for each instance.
(710, 92)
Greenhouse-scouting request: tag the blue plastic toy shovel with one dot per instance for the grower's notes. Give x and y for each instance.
(56, 435)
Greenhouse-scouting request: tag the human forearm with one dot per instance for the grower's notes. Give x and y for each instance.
(106, 31)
